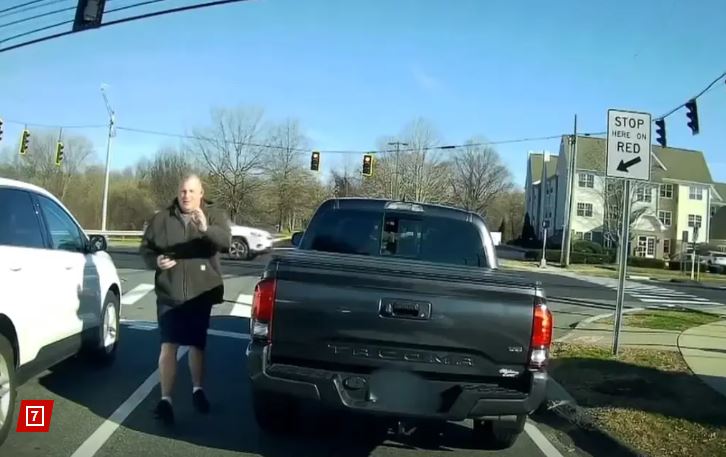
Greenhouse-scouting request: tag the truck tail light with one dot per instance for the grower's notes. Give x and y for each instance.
(263, 304)
(542, 328)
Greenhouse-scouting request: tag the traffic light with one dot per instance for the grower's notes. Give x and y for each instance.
(367, 165)
(24, 142)
(58, 154)
(661, 132)
(89, 14)
(315, 161)
(1, 129)
(692, 116)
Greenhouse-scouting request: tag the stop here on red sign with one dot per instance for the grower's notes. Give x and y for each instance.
(34, 416)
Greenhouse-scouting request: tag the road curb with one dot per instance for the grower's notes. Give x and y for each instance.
(562, 404)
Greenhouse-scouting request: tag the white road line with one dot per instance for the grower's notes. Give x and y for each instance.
(242, 308)
(99, 437)
(226, 334)
(661, 297)
(136, 294)
(541, 441)
(688, 302)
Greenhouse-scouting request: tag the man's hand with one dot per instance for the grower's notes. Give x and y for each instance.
(200, 220)
(165, 262)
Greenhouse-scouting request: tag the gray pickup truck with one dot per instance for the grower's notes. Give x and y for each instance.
(397, 309)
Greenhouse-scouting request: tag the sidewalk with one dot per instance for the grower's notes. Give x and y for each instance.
(703, 348)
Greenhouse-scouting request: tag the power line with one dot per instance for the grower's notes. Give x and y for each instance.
(719, 78)
(341, 151)
(30, 8)
(32, 2)
(37, 16)
(49, 126)
(109, 23)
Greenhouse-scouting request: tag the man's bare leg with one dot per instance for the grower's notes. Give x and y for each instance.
(196, 368)
(167, 368)
(167, 375)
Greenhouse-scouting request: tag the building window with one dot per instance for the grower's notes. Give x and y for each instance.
(578, 235)
(666, 217)
(643, 195)
(666, 247)
(588, 236)
(695, 193)
(666, 191)
(645, 247)
(587, 180)
(584, 209)
(694, 220)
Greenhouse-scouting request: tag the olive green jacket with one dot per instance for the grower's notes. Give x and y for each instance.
(197, 273)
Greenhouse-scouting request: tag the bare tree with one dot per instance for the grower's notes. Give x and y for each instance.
(415, 170)
(285, 171)
(478, 177)
(161, 174)
(38, 164)
(507, 206)
(231, 152)
(612, 197)
(426, 175)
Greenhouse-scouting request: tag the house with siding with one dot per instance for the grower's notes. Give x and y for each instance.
(676, 204)
(541, 205)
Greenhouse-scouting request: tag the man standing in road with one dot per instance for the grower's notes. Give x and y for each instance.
(182, 243)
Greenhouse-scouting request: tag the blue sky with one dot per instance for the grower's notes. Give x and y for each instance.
(352, 71)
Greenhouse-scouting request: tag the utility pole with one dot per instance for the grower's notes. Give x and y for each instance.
(398, 145)
(111, 134)
(567, 227)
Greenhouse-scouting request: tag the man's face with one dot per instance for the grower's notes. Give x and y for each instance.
(190, 195)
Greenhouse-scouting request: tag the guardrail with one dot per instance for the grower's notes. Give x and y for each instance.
(116, 233)
(139, 233)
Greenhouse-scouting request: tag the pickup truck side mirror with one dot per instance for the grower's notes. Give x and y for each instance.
(296, 238)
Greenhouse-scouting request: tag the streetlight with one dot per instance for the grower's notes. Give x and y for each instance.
(111, 133)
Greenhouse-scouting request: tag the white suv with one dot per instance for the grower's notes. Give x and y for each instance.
(59, 291)
(248, 242)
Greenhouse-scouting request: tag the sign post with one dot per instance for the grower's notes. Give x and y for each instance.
(543, 260)
(628, 158)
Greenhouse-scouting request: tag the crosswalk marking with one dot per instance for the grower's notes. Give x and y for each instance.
(242, 308)
(655, 296)
(136, 294)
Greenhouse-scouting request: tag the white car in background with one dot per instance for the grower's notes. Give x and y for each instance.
(716, 261)
(249, 242)
(59, 291)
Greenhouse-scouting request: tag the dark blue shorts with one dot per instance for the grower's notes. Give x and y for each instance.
(186, 324)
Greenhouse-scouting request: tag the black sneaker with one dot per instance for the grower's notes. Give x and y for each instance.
(164, 412)
(200, 401)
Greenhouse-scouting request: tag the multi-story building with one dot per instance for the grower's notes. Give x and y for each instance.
(541, 206)
(675, 205)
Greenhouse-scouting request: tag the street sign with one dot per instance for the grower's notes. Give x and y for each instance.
(628, 145)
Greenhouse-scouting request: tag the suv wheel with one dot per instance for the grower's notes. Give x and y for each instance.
(102, 346)
(239, 249)
(8, 389)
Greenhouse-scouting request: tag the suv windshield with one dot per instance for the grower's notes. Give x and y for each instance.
(397, 234)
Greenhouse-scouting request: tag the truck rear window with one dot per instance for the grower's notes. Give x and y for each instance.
(397, 234)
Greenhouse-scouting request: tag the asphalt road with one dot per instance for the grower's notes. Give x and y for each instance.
(107, 411)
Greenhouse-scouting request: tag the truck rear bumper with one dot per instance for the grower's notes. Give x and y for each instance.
(393, 393)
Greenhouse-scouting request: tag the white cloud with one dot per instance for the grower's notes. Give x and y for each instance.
(425, 80)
